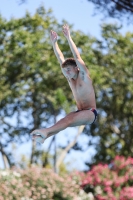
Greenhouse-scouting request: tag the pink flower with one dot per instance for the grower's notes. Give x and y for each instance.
(108, 189)
(108, 183)
(126, 193)
(99, 197)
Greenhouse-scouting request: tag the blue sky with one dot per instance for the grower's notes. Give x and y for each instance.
(80, 14)
(77, 12)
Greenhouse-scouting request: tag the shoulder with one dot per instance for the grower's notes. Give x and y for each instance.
(81, 65)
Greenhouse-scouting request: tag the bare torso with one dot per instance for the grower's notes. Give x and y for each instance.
(83, 91)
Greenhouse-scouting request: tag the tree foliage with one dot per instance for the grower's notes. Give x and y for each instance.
(29, 76)
(33, 91)
(114, 92)
(115, 8)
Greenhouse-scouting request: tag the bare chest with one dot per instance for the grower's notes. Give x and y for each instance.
(80, 88)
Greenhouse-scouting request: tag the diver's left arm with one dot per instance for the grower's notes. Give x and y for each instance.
(75, 52)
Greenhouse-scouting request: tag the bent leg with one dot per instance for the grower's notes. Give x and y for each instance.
(73, 119)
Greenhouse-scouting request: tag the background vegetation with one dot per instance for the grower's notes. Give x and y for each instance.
(33, 92)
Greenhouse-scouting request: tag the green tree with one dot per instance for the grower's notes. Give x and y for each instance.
(114, 92)
(34, 92)
(115, 8)
(29, 76)
(35, 89)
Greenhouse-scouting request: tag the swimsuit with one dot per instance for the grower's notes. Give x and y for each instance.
(94, 111)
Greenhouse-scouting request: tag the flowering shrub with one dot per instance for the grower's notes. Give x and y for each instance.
(110, 183)
(102, 182)
(36, 184)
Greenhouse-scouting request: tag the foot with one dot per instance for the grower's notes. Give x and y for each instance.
(39, 135)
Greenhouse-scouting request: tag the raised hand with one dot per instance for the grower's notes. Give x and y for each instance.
(53, 36)
(66, 31)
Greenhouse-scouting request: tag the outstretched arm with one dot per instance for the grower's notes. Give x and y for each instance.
(57, 51)
(75, 52)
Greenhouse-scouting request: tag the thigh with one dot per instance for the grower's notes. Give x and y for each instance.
(82, 117)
